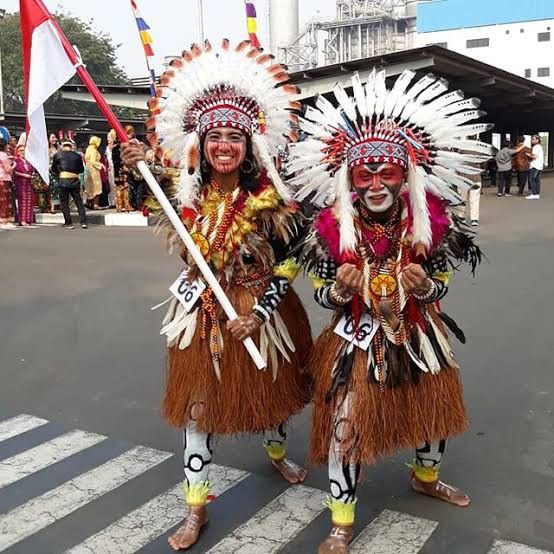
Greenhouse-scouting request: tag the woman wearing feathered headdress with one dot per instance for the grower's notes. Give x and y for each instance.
(224, 116)
(381, 253)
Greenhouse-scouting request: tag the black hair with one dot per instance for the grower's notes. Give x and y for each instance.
(249, 180)
(3, 144)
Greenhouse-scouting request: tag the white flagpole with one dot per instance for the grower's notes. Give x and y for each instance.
(200, 11)
(198, 258)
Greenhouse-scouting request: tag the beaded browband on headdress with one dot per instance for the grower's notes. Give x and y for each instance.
(423, 128)
(241, 88)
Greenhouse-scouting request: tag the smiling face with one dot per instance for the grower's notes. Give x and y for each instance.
(378, 185)
(225, 149)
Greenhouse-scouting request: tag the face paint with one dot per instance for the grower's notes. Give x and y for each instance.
(225, 149)
(378, 185)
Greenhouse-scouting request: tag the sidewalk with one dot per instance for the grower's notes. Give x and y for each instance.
(108, 218)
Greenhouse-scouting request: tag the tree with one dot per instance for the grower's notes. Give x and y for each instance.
(97, 51)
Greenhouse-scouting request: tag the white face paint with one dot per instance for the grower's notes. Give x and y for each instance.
(379, 202)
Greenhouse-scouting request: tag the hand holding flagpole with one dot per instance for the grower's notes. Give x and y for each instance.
(36, 17)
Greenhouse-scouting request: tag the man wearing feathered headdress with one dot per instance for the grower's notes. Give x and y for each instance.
(224, 115)
(383, 164)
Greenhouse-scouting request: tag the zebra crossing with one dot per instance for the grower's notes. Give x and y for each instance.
(274, 525)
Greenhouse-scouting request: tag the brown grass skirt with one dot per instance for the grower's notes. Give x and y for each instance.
(246, 400)
(381, 421)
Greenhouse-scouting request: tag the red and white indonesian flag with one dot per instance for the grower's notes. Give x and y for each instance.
(47, 67)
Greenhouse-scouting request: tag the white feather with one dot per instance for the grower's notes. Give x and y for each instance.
(345, 210)
(438, 187)
(464, 131)
(476, 146)
(452, 178)
(328, 110)
(370, 94)
(345, 102)
(359, 95)
(393, 102)
(427, 352)
(380, 93)
(263, 156)
(440, 86)
(418, 200)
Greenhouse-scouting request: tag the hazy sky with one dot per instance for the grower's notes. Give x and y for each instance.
(173, 23)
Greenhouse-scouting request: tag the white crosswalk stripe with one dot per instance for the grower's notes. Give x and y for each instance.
(275, 524)
(24, 464)
(20, 424)
(506, 547)
(147, 523)
(273, 527)
(393, 533)
(44, 510)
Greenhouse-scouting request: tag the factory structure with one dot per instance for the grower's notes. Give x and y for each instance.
(361, 29)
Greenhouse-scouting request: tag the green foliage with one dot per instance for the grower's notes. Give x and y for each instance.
(97, 51)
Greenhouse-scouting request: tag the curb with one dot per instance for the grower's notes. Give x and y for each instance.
(105, 218)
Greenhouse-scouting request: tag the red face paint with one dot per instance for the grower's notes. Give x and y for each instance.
(225, 149)
(378, 185)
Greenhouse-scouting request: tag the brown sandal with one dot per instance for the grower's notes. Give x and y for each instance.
(442, 491)
(338, 540)
(187, 535)
(291, 471)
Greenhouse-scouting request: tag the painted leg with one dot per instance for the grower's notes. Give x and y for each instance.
(343, 480)
(425, 475)
(197, 457)
(275, 444)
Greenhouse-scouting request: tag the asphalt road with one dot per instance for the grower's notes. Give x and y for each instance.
(79, 347)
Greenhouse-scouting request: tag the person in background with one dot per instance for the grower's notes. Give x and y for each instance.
(6, 204)
(54, 193)
(137, 185)
(492, 172)
(520, 163)
(67, 165)
(536, 167)
(12, 147)
(504, 163)
(93, 179)
(111, 139)
(23, 175)
(120, 178)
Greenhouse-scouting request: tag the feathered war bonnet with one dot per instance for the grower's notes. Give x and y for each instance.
(238, 87)
(423, 128)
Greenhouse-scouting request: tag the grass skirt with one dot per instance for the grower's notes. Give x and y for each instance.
(246, 400)
(380, 422)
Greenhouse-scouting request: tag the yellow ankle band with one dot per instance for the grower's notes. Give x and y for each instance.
(342, 513)
(197, 493)
(425, 474)
(275, 451)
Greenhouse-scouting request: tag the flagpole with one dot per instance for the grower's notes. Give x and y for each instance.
(151, 73)
(200, 11)
(199, 260)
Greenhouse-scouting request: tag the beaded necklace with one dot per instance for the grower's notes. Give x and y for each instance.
(380, 241)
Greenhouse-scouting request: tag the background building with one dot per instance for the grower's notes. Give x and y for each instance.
(515, 35)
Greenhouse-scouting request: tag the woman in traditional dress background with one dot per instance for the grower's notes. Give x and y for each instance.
(6, 169)
(93, 179)
(23, 181)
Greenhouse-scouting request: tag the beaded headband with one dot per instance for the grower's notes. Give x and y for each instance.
(377, 151)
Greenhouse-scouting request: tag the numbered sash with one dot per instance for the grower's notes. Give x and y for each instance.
(187, 292)
(367, 327)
